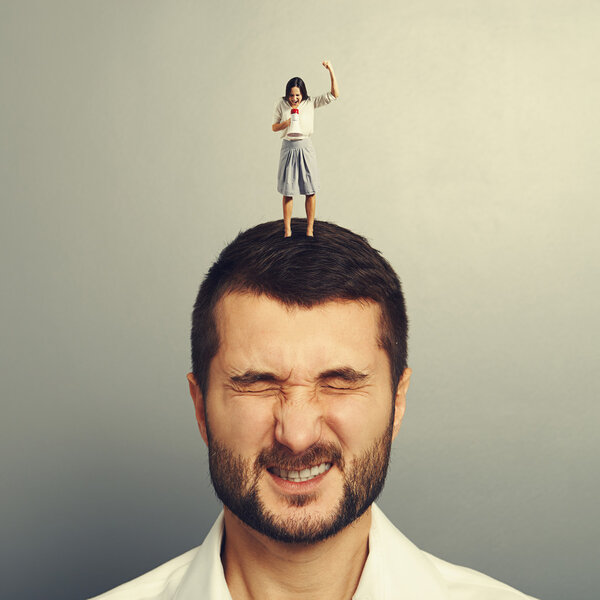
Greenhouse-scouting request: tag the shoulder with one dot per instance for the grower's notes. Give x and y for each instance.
(155, 584)
(181, 577)
(463, 582)
(414, 570)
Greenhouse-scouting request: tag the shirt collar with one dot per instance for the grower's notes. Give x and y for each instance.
(395, 567)
(205, 577)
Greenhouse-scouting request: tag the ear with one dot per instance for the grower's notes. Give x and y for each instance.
(196, 394)
(400, 401)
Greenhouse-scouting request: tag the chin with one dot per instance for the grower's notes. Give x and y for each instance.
(301, 518)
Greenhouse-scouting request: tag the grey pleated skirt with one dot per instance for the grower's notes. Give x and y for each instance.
(298, 173)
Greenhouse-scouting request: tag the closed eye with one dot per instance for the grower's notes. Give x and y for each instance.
(254, 382)
(341, 387)
(344, 378)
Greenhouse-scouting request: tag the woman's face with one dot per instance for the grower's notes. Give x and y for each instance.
(295, 97)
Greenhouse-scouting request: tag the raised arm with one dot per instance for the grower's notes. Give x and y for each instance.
(334, 86)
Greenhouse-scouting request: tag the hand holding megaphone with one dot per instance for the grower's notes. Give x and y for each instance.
(294, 130)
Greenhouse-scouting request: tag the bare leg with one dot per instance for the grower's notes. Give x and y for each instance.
(311, 203)
(288, 202)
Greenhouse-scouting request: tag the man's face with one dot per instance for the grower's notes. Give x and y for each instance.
(299, 418)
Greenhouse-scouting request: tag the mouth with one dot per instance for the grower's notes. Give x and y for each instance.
(302, 475)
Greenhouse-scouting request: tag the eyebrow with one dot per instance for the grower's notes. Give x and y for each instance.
(344, 373)
(253, 376)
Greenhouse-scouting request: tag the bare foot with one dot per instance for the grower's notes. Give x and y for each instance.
(309, 233)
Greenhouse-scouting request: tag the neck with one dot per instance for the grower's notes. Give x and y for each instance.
(257, 567)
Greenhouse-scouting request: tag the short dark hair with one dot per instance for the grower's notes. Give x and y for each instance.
(336, 264)
(299, 83)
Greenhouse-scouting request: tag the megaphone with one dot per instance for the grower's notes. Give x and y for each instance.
(294, 127)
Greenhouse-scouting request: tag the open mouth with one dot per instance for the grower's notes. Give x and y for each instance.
(302, 475)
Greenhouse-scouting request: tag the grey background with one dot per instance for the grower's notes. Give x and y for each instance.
(135, 142)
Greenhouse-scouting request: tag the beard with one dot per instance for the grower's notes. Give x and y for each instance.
(236, 483)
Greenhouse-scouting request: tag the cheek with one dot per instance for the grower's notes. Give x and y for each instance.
(356, 423)
(245, 426)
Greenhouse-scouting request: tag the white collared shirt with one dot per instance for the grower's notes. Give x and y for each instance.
(395, 570)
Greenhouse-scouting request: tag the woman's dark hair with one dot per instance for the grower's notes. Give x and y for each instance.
(299, 83)
(336, 264)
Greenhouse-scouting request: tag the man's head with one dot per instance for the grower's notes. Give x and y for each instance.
(336, 265)
(299, 377)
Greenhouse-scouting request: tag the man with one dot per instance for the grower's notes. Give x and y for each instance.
(299, 385)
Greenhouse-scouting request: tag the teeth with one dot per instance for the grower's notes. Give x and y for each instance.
(304, 474)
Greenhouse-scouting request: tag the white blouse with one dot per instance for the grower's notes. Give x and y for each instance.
(306, 111)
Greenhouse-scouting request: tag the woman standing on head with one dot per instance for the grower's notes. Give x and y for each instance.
(298, 173)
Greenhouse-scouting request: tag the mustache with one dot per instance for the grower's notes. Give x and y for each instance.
(280, 456)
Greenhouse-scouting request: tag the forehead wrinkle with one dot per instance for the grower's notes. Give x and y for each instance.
(223, 315)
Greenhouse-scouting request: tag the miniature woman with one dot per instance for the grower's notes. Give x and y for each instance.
(298, 173)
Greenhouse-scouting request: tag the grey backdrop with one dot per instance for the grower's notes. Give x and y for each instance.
(136, 142)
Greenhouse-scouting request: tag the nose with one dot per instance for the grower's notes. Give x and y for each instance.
(298, 423)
